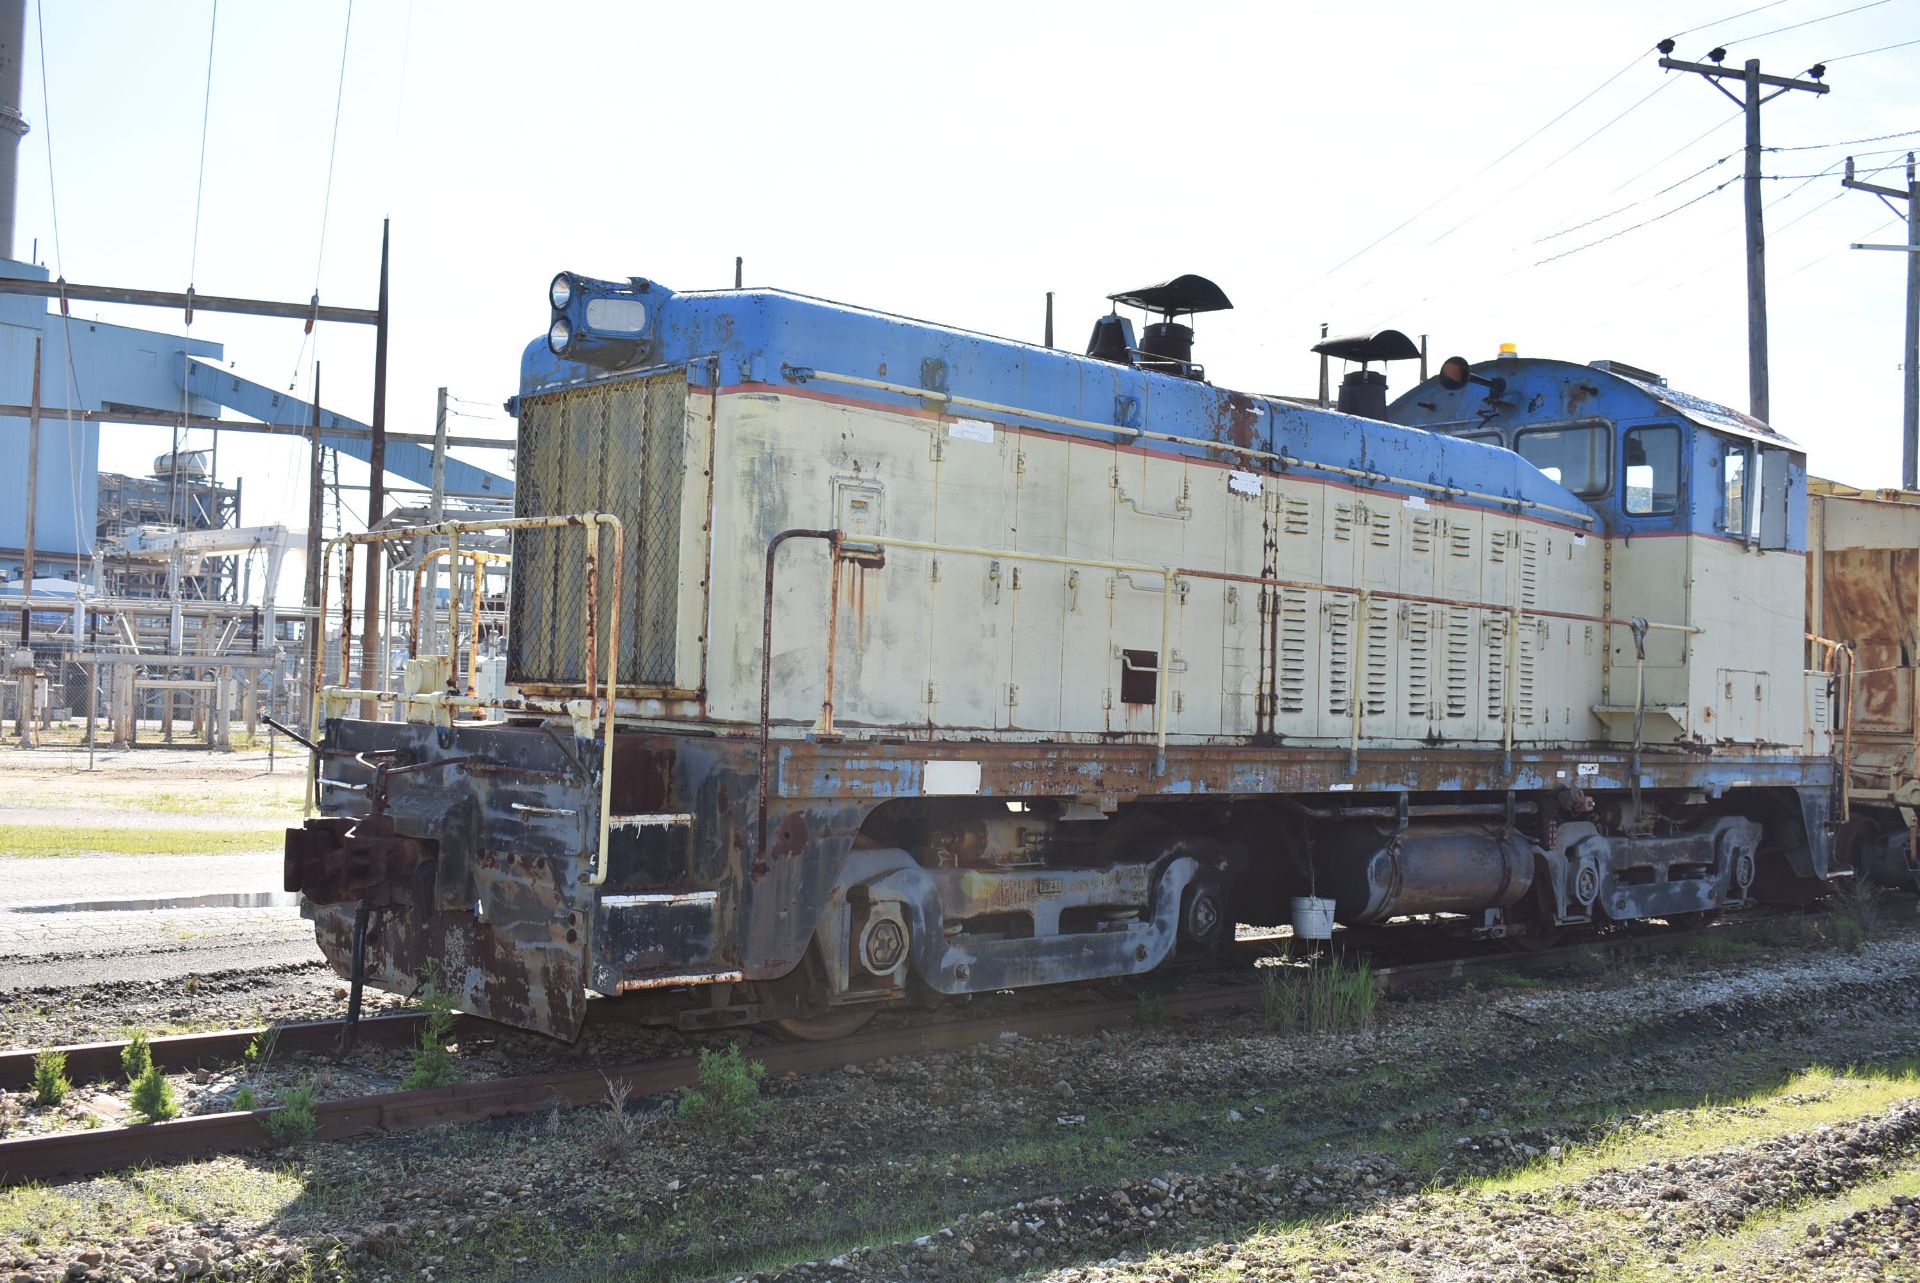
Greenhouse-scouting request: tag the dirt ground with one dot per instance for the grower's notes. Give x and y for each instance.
(143, 893)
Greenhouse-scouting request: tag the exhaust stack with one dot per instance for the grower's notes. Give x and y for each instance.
(13, 125)
(1363, 392)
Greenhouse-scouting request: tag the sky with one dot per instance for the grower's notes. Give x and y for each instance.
(1397, 164)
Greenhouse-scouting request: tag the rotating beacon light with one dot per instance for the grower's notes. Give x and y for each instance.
(603, 323)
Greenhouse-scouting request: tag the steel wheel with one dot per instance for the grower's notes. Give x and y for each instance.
(825, 1027)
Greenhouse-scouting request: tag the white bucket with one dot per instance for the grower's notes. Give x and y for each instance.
(1312, 918)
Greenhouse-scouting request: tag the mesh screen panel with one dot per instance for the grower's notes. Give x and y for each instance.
(618, 448)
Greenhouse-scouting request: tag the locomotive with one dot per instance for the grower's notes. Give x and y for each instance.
(857, 661)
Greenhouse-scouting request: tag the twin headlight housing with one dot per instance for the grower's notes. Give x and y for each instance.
(603, 323)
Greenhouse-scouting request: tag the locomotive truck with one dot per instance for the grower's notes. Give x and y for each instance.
(858, 661)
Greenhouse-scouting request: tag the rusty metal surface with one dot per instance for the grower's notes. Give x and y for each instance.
(75, 1153)
(90, 1061)
(1871, 598)
(501, 911)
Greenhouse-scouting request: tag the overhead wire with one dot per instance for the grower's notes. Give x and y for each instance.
(1510, 151)
(1864, 52)
(1762, 35)
(333, 147)
(1579, 249)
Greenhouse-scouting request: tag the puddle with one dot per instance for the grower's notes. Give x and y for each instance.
(223, 900)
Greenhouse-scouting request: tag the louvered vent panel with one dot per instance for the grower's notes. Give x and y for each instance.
(1526, 664)
(1419, 660)
(1529, 569)
(1460, 539)
(1379, 657)
(1459, 662)
(1340, 613)
(616, 448)
(1297, 516)
(1343, 521)
(1293, 650)
(1423, 534)
(1379, 527)
(1494, 647)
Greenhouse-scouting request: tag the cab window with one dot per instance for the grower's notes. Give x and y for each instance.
(1577, 458)
(1733, 482)
(1484, 438)
(1652, 473)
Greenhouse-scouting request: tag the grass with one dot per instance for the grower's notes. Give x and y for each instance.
(285, 805)
(221, 1190)
(33, 841)
(432, 1060)
(1326, 994)
(1812, 1098)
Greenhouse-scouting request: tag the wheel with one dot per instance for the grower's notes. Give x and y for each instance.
(823, 1028)
(1203, 915)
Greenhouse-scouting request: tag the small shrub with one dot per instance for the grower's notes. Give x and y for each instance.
(244, 1100)
(1847, 932)
(432, 1061)
(1148, 1009)
(153, 1097)
(50, 1085)
(136, 1058)
(1325, 995)
(727, 1101)
(295, 1120)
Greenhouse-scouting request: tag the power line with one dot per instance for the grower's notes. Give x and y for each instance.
(1568, 231)
(1638, 103)
(200, 183)
(1637, 226)
(339, 96)
(1872, 4)
(1864, 52)
(1848, 142)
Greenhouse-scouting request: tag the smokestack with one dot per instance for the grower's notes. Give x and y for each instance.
(13, 125)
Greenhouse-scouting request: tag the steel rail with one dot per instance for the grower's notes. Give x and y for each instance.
(81, 1152)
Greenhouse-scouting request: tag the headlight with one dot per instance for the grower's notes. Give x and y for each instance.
(560, 335)
(560, 293)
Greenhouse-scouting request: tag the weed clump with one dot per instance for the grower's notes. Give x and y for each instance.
(1327, 994)
(727, 1101)
(244, 1101)
(1148, 1008)
(432, 1060)
(1854, 915)
(260, 1049)
(618, 1139)
(295, 1120)
(136, 1058)
(50, 1085)
(153, 1097)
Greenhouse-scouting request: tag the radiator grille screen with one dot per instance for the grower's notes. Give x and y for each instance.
(618, 448)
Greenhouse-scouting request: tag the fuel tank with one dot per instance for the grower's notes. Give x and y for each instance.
(1374, 873)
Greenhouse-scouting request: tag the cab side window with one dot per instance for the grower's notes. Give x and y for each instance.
(1652, 473)
(1734, 487)
(1577, 458)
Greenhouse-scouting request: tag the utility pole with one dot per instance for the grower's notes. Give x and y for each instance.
(33, 487)
(370, 646)
(1910, 365)
(1759, 403)
(316, 626)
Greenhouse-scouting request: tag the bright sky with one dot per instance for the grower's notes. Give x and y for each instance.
(957, 163)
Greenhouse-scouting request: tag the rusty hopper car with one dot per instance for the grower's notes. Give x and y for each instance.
(856, 660)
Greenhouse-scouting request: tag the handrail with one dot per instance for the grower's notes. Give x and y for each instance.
(581, 710)
(480, 558)
(800, 374)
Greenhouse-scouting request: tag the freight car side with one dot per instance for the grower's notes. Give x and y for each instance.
(1863, 593)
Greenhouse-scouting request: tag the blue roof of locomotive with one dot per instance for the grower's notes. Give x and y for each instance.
(759, 336)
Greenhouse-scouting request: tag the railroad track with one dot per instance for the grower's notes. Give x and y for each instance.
(82, 1152)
